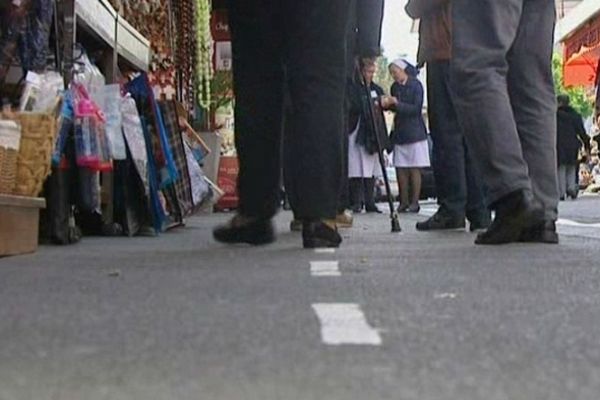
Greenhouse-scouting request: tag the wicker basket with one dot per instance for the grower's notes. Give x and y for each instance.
(10, 136)
(38, 135)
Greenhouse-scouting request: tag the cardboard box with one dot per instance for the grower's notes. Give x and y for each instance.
(19, 224)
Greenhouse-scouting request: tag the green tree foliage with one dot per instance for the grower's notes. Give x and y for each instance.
(383, 78)
(579, 98)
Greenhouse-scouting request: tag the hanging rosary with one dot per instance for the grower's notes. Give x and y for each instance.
(204, 47)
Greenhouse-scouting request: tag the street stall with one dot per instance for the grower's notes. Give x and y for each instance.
(579, 32)
(97, 124)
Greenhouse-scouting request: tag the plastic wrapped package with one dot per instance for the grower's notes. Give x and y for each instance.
(201, 191)
(41, 91)
(111, 106)
(134, 136)
(91, 144)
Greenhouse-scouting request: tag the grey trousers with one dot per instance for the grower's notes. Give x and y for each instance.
(502, 76)
(567, 179)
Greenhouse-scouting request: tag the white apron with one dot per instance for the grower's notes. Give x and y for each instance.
(361, 164)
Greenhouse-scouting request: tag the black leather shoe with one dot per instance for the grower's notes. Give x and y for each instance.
(480, 223)
(250, 231)
(515, 214)
(317, 234)
(441, 221)
(573, 194)
(543, 233)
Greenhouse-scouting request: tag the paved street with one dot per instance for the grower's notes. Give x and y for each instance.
(402, 317)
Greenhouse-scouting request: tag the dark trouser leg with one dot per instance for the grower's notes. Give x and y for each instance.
(369, 185)
(448, 141)
(345, 196)
(258, 80)
(356, 193)
(532, 95)
(434, 121)
(403, 175)
(572, 187)
(484, 33)
(476, 210)
(316, 69)
(562, 180)
(415, 185)
(288, 150)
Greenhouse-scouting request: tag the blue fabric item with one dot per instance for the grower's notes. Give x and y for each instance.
(34, 42)
(171, 169)
(66, 127)
(144, 96)
(158, 213)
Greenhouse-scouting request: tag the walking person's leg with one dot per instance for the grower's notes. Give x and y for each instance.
(532, 93)
(572, 186)
(448, 148)
(562, 181)
(403, 176)
(316, 67)
(258, 83)
(356, 194)
(415, 184)
(484, 33)
(369, 185)
(477, 213)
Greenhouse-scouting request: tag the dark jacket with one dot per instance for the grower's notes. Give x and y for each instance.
(571, 135)
(364, 31)
(359, 109)
(409, 126)
(435, 29)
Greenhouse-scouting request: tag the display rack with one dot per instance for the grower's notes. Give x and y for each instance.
(98, 20)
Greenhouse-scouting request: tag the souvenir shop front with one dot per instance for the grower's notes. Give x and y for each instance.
(107, 113)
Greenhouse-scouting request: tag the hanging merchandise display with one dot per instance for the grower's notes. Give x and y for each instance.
(109, 159)
(25, 30)
(134, 135)
(204, 43)
(111, 106)
(33, 46)
(182, 185)
(185, 49)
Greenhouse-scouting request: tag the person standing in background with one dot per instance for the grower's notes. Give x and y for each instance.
(363, 159)
(501, 74)
(364, 42)
(409, 136)
(571, 137)
(307, 40)
(458, 187)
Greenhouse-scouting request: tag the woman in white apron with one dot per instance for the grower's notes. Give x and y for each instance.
(411, 148)
(363, 161)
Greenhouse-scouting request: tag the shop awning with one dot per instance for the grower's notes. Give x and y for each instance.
(582, 53)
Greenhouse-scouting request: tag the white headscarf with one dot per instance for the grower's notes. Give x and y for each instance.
(400, 63)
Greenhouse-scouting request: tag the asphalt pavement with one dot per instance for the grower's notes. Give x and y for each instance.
(410, 316)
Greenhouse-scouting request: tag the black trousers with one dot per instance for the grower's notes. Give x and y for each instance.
(459, 189)
(307, 40)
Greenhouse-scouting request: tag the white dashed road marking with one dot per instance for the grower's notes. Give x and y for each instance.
(325, 251)
(345, 323)
(325, 268)
(568, 222)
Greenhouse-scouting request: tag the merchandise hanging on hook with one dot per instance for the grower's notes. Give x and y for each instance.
(204, 50)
